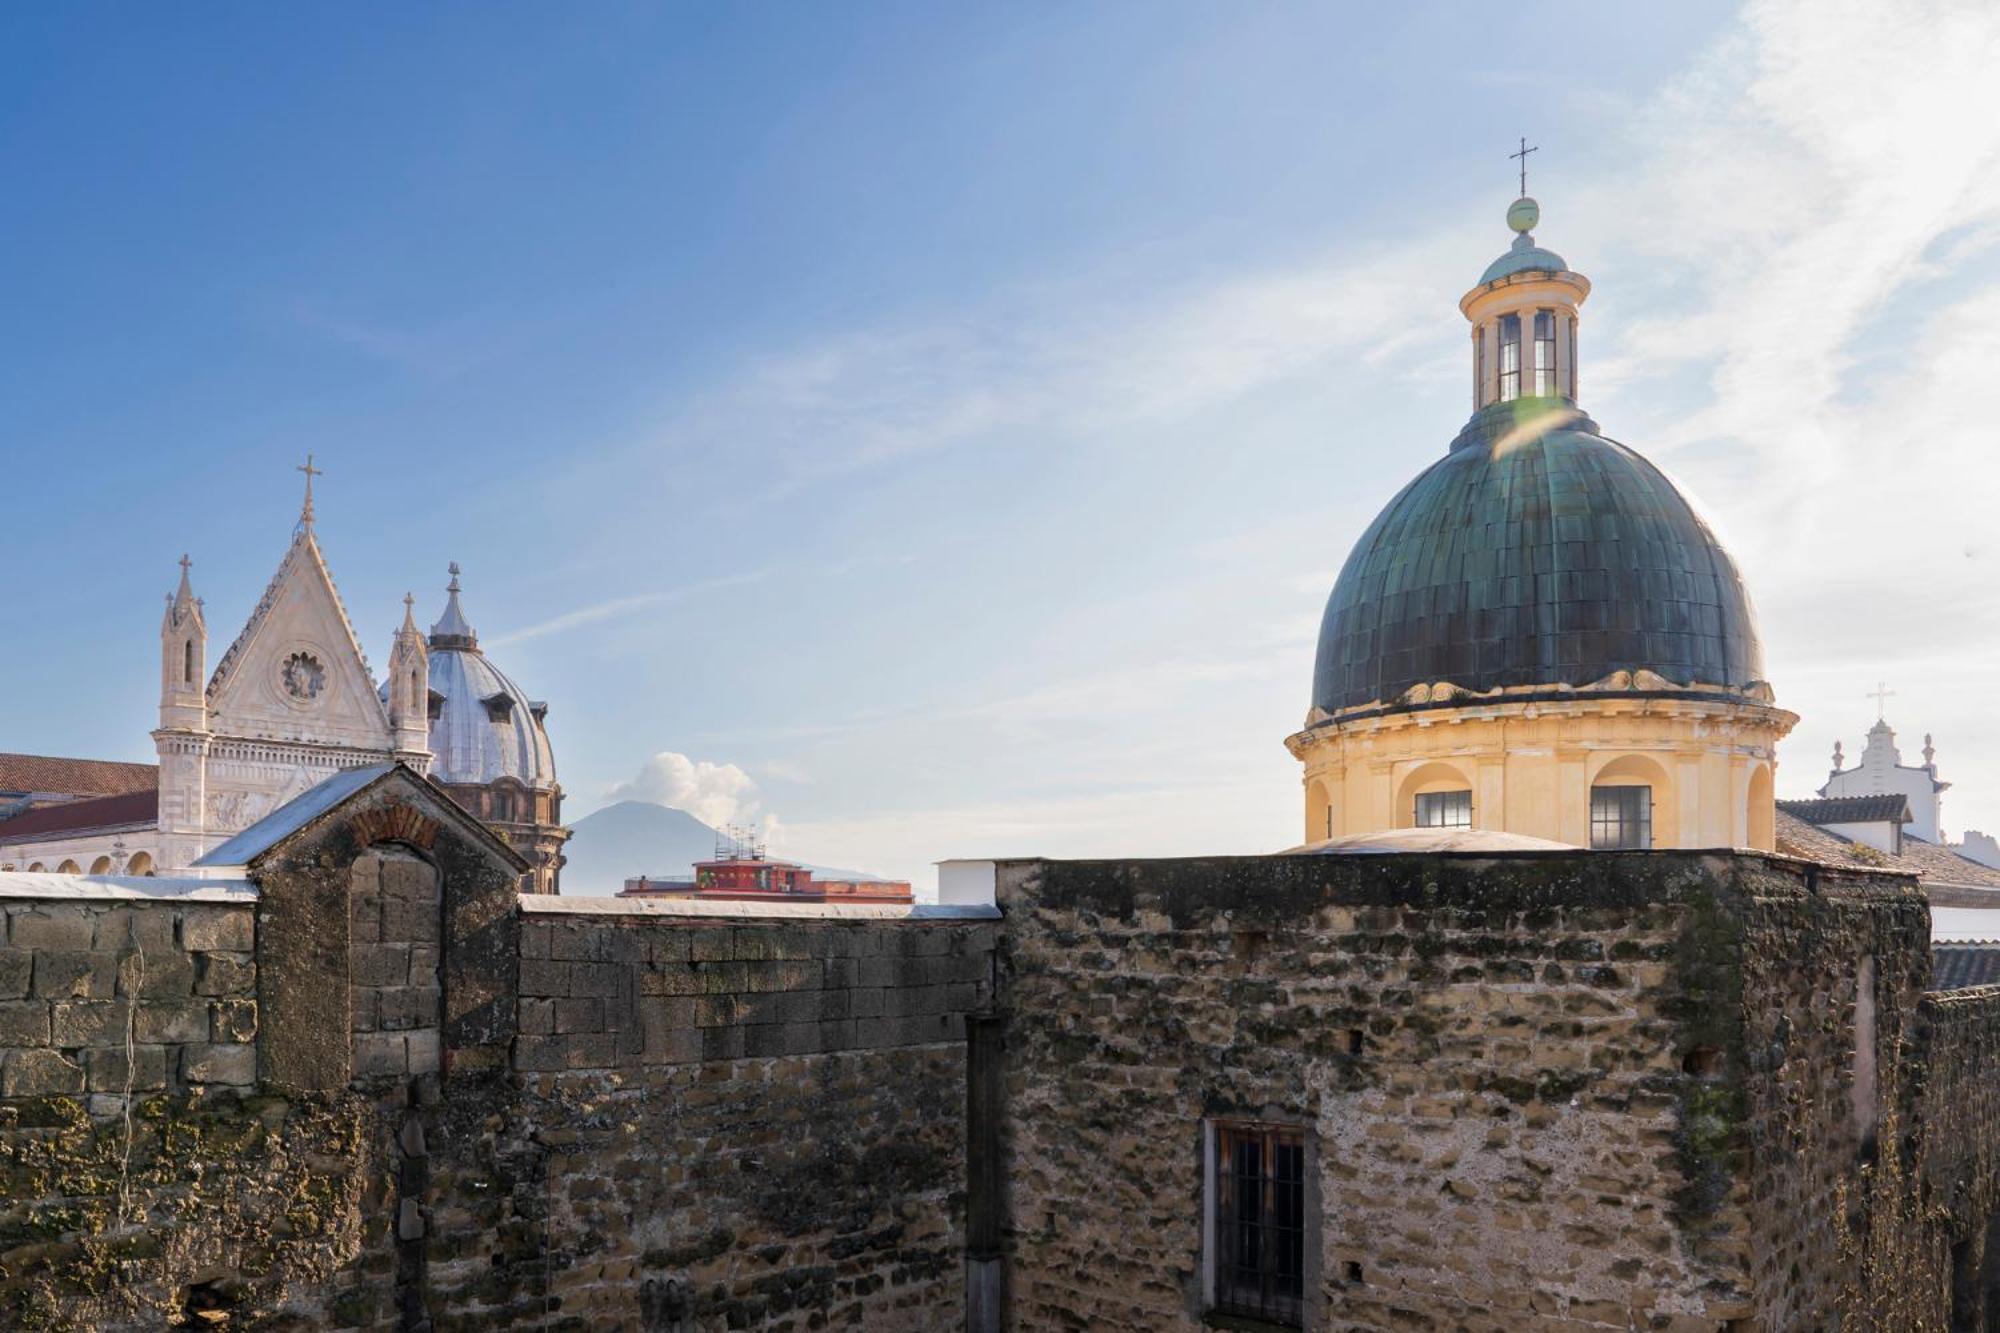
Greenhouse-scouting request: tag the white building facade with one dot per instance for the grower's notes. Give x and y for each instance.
(1882, 772)
(291, 702)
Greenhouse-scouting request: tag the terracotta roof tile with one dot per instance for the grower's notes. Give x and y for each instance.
(74, 777)
(1933, 864)
(132, 807)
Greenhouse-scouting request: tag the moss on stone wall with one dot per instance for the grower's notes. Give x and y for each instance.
(107, 1226)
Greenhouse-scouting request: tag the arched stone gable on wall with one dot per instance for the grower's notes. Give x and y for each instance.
(324, 894)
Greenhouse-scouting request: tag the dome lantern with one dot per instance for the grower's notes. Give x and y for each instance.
(451, 629)
(1523, 315)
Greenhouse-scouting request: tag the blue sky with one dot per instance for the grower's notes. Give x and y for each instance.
(933, 430)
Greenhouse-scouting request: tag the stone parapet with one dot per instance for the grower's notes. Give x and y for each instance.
(105, 997)
(1536, 1090)
(603, 992)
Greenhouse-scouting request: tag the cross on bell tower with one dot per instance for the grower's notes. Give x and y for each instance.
(1880, 694)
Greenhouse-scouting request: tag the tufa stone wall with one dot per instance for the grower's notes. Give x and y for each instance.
(707, 1125)
(397, 929)
(1674, 1091)
(462, 1112)
(1919, 1221)
(128, 995)
(1820, 976)
(739, 1124)
(141, 1173)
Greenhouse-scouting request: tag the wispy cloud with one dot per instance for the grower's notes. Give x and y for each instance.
(1072, 361)
(616, 606)
(436, 350)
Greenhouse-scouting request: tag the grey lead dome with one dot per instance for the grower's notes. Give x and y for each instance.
(1536, 552)
(484, 727)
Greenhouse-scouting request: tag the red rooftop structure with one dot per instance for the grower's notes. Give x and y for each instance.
(741, 872)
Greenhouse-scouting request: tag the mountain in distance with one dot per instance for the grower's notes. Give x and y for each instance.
(632, 838)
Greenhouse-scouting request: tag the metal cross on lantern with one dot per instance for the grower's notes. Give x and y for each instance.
(1523, 155)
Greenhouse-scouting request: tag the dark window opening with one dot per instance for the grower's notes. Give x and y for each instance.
(1260, 1215)
(1510, 357)
(1444, 809)
(187, 662)
(1621, 818)
(1545, 353)
(1702, 1062)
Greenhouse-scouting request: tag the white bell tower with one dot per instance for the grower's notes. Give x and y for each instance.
(182, 738)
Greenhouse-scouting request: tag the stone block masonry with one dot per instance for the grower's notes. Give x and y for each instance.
(104, 997)
(1668, 1091)
(764, 1116)
(647, 991)
(699, 1122)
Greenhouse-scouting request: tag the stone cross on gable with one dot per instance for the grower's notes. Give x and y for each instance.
(1880, 694)
(306, 515)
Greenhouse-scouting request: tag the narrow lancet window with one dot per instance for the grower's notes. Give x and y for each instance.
(1545, 354)
(1510, 358)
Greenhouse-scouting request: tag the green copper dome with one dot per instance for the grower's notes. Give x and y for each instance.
(1523, 256)
(1535, 552)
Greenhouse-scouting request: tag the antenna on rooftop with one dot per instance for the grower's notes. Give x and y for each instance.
(737, 842)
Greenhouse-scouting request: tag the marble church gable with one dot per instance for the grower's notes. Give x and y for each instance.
(297, 671)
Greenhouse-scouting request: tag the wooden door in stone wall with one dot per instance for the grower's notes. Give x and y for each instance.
(397, 915)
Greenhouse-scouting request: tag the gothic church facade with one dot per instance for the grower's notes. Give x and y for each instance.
(294, 700)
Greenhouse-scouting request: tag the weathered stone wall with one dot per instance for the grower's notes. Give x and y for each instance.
(1918, 1240)
(474, 1113)
(1685, 1092)
(1542, 1087)
(396, 926)
(735, 1123)
(1829, 971)
(121, 995)
(710, 1124)
(139, 1169)
(707, 1124)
